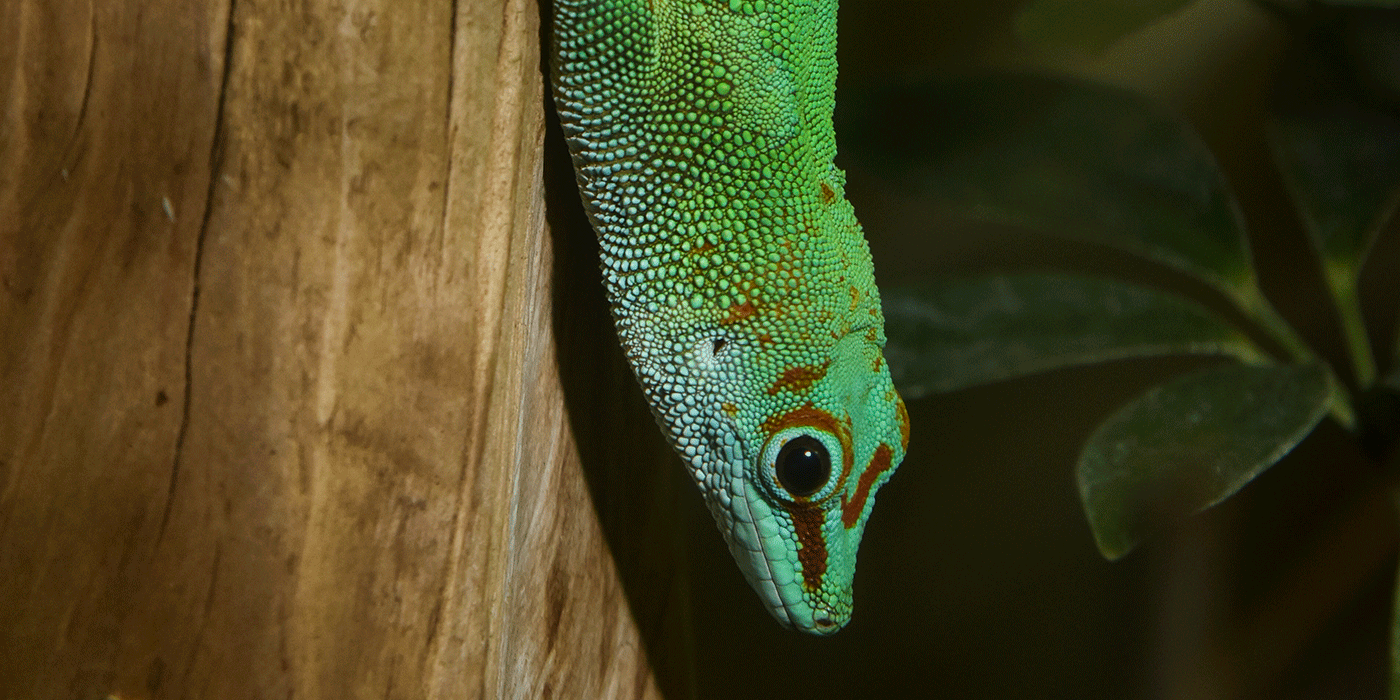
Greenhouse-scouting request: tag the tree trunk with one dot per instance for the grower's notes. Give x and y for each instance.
(281, 414)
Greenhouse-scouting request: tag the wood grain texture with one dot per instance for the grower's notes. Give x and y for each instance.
(280, 407)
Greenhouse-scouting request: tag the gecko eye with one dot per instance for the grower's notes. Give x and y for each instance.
(803, 466)
(796, 464)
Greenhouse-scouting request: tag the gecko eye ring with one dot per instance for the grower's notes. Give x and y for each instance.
(800, 464)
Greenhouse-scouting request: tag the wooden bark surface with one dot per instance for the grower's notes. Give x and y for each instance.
(280, 411)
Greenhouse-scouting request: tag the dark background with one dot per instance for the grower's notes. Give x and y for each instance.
(978, 576)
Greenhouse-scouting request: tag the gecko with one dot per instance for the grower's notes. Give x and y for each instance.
(740, 283)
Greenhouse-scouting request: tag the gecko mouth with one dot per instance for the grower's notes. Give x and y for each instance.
(790, 608)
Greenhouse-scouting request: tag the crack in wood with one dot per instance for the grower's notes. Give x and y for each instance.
(216, 157)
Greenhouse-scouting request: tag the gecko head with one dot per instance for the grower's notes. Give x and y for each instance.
(802, 486)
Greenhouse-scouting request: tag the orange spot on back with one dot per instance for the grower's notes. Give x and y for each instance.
(738, 312)
(828, 195)
(879, 464)
(730, 409)
(799, 379)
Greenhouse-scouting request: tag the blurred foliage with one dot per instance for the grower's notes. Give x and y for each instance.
(1090, 25)
(1106, 166)
(1192, 442)
(946, 335)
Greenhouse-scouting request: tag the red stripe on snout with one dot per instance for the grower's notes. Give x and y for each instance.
(879, 464)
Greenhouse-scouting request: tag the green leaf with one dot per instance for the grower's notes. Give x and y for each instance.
(1072, 158)
(1341, 163)
(964, 332)
(1192, 442)
(1091, 25)
(1342, 166)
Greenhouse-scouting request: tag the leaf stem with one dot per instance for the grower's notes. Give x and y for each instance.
(1343, 284)
(1252, 301)
(1342, 410)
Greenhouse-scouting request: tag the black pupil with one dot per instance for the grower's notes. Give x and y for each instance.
(803, 466)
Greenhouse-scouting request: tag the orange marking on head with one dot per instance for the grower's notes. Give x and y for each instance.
(729, 409)
(828, 194)
(809, 415)
(879, 362)
(879, 464)
(702, 248)
(855, 297)
(738, 312)
(799, 379)
(807, 520)
(903, 414)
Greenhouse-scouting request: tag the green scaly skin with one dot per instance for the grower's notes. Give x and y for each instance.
(740, 283)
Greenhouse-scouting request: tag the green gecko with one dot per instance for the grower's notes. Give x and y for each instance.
(740, 283)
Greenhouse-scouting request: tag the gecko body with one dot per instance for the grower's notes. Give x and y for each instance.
(740, 284)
